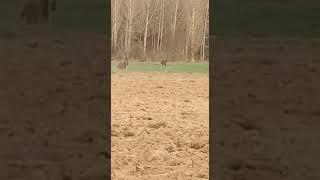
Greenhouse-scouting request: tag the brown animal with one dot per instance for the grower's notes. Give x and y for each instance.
(123, 65)
(164, 62)
(37, 11)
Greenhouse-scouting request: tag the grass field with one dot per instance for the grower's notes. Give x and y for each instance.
(194, 68)
(265, 18)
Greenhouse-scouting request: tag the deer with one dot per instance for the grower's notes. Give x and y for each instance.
(123, 64)
(164, 62)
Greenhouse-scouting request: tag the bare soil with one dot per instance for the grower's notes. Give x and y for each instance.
(53, 103)
(266, 109)
(160, 126)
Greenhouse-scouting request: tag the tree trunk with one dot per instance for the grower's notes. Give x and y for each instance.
(187, 44)
(146, 28)
(115, 24)
(162, 22)
(129, 26)
(126, 37)
(159, 34)
(154, 42)
(192, 32)
(205, 32)
(175, 20)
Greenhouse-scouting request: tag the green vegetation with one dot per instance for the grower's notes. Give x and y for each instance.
(265, 18)
(196, 68)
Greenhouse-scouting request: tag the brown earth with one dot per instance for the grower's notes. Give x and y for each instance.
(266, 112)
(53, 104)
(266, 106)
(160, 126)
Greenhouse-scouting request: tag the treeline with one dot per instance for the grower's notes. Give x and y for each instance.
(156, 29)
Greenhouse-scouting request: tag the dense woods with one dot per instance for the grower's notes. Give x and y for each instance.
(157, 29)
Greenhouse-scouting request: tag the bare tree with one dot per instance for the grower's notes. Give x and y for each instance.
(115, 21)
(133, 9)
(166, 27)
(128, 25)
(175, 15)
(190, 21)
(160, 27)
(149, 14)
(205, 31)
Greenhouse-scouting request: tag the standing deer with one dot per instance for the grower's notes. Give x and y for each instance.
(164, 62)
(123, 65)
